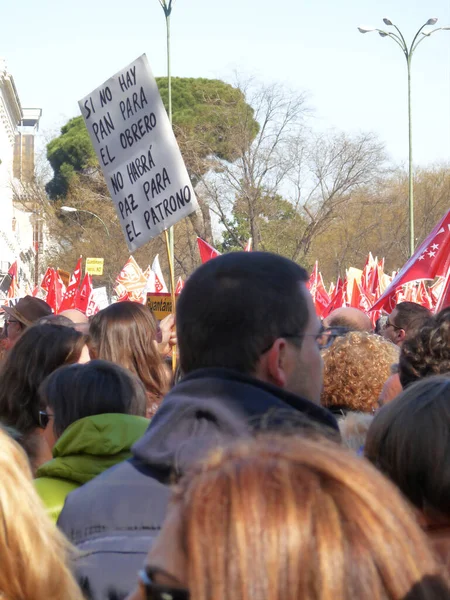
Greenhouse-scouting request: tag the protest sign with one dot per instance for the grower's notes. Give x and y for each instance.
(138, 153)
(160, 305)
(94, 266)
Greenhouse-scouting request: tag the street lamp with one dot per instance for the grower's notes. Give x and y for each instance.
(408, 51)
(71, 209)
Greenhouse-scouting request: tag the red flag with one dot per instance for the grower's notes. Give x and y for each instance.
(13, 290)
(68, 300)
(35, 292)
(423, 297)
(248, 247)
(355, 299)
(431, 259)
(313, 279)
(337, 298)
(207, 252)
(48, 279)
(321, 300)
(180, 286)
(444, 298)
(55, 290)
(84, 293)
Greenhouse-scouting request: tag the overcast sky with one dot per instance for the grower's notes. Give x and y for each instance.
(58, 52)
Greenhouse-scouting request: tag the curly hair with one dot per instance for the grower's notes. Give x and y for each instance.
(355, 368)
(428, 352)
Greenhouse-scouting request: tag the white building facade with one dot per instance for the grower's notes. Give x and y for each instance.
(19, 229)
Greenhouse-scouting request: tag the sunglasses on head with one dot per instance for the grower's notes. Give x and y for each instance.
(153, 591)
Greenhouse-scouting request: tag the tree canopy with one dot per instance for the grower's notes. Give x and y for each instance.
(205, 114)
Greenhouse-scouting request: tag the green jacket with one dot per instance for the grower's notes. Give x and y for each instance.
(86, 448)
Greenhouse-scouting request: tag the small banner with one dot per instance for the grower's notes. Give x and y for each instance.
(94, 266)
(138, 153)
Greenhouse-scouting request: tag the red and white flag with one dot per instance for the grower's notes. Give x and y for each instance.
(444, 297)
(13, 290)
(55, 291)
(131, 280)
(69, 297)
(160, 284)
(207, 252)
(248, 246)
(430, 260)
(179, 287)
(47, 279)
(84, 293)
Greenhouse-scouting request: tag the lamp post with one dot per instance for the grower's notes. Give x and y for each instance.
(71, 209)
(408, 52)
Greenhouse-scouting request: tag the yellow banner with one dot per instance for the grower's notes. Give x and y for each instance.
(94, 266)
(160, 305)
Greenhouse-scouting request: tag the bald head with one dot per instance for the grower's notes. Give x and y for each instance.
(76, 316)
(352, 318)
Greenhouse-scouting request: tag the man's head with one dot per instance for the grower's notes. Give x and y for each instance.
(351, 318)
(26, 312)
(405, 321)
(251, 312)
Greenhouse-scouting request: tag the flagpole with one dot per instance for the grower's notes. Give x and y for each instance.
(167, 8)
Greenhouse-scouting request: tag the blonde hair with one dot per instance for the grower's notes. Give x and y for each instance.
(34, 555)
(356, 367)
(283, 518)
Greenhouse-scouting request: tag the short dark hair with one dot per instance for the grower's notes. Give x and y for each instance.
(95, 388)
(233, 306)
(408, 441)
(39, 351)
(411, 316)
(428, 352)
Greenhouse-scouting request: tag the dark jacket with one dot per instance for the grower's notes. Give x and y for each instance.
(126, 504)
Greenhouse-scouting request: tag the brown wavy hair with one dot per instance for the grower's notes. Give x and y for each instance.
(125, 333)
(34, 555)
(283, 518)
(39, 351)
(356, 367)
(428, 352)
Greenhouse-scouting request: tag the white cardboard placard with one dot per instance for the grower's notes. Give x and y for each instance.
(138, 153)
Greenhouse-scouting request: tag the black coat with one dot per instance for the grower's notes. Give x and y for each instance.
(113, 518)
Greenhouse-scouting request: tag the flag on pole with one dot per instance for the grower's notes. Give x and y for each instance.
(130, 281)
(207, 252)
(55, 291)
(444, 298)
(179, 287)
(84, 293)
(430, 260)
(160, 284)
(68, 300)
(13, 290)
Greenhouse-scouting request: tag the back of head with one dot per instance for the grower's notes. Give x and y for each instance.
(285, 518)
(38, 352)
(233, 306)
(409, 441)
(428, 351)
(411, 317)
(350, 318)
(34, 554)
(125, 333)
(98, 387)
(356, 367)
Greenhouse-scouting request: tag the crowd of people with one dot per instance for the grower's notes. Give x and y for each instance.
(286, 457)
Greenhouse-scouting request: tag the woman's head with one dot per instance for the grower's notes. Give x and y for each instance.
(282, 518)
(409, 442)
(39, 351)
(33, 554)
(98, 387)
(428, 351)
(356, 367)
(125, 333)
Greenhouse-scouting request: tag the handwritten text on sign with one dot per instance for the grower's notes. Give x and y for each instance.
(138, 153)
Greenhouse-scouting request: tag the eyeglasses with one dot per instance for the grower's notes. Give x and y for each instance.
(44, 419)
(154, 591)
(389, 324)
(324, 338)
